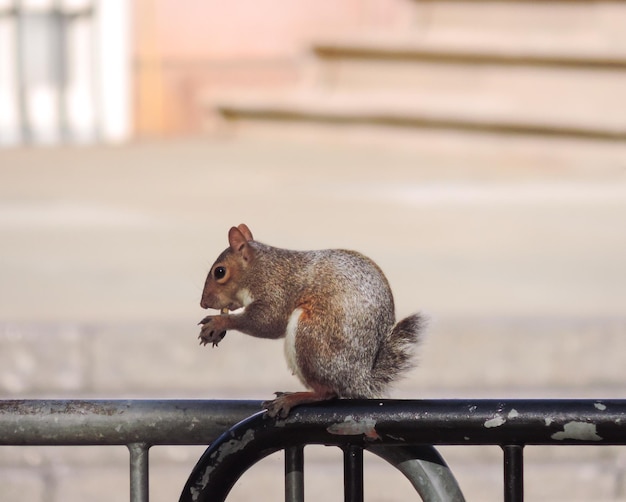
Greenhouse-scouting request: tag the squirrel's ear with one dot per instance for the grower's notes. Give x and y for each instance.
(239, 242)
(243, 228)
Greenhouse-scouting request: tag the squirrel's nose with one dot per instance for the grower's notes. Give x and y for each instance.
(207, 301)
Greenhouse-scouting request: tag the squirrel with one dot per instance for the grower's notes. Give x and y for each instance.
(334, 308)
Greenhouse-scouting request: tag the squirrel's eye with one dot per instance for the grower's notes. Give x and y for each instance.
(219, 272)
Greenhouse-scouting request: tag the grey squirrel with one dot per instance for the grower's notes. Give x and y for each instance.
(333, 307)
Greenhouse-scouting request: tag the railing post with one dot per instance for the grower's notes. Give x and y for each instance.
(513, 473)
(294, 474)
(353, 473)
(139, 486)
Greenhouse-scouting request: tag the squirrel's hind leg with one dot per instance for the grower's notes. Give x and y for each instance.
(285, 401)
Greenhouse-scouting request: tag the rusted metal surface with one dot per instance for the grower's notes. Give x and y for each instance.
(118, 422)
(401, 431)
(387, 424)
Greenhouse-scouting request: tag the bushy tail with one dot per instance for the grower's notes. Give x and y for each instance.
(397, 352)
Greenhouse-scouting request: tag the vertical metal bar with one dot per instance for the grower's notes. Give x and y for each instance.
(294, 474)
(353, 473)
(139, 486)
(513, 473)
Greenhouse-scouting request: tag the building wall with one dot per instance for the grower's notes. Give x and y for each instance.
(185, 51)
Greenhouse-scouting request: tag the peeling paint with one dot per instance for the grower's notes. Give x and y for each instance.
(600, 406)
(549, 421)
(235, 444)
(195, 493)
(581, 431)
(513, 414)
(227, 448)
(496, 421)
(354, 427)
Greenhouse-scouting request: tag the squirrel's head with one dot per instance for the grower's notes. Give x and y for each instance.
(223, 286)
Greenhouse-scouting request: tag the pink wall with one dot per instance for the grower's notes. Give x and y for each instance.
(186, 51)
(249, 28)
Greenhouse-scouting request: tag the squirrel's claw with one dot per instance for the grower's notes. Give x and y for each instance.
(285, 401)
(213, 337)
(220, 337)
(277, 407)
(213, 330)
(282, 404)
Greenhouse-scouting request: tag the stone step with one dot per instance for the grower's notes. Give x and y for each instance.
(464, 68)
(478, 46)
(591, 20)
(474, 62)
(463, 83)
(595, 119)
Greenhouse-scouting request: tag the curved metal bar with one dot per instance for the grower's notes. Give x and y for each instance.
(228, 457)
(388, 422)
(425, 468)
(225, 461)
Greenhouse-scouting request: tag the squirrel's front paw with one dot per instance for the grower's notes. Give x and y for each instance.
(210, 333)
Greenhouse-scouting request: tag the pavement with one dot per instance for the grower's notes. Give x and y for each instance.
(101, 233)
(515, 254)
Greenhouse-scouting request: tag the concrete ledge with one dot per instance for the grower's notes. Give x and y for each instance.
(461, 357)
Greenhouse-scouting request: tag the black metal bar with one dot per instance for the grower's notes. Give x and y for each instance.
(94, 422)
(253, 439)
(294, 474)
(388, 423)
(353, 473)
(380, 425)
(139, 472)
(513, 473)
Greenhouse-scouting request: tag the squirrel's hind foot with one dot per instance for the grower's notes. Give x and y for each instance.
(285, 401)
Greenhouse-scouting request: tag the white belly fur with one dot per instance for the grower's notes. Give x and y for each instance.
(290, 342)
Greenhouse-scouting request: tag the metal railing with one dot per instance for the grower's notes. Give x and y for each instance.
(402, 432)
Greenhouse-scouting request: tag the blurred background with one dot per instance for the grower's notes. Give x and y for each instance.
(476, 149)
